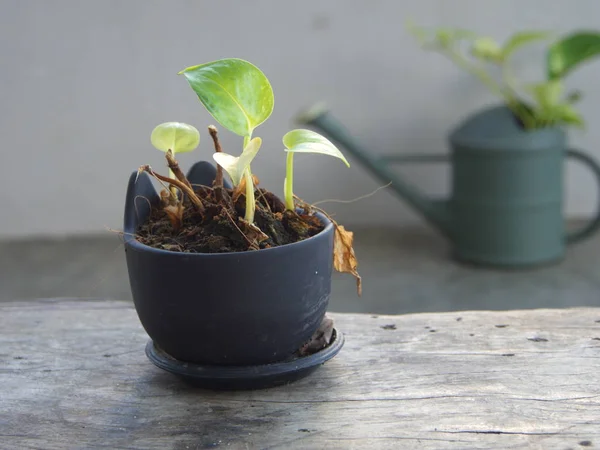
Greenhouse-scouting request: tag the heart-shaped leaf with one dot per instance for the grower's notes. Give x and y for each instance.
(175, 136)
(566, 54)
(307, 141)
(235, 92)
(236, 166)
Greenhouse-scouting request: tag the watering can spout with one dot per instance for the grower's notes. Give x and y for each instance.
(436, 212)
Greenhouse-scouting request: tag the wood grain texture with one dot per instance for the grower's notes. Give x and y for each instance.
(73, 375)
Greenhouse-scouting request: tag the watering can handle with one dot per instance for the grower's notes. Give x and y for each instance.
(594, 224)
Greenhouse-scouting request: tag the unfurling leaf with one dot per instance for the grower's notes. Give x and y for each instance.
(235, 92)
(566, 54)
(307, 141)
(344, 259)
(175, 136)
(236, 166)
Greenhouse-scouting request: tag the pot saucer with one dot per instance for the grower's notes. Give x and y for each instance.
(245, 377)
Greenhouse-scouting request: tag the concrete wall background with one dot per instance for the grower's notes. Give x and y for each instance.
(82, 84)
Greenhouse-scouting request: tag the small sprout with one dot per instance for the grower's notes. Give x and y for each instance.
(239, 96)
(236, 166)
(304, 141)
(175, 136)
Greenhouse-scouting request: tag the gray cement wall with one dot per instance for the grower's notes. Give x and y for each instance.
(84, 82)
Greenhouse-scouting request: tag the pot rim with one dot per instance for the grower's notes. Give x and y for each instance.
(134, 244)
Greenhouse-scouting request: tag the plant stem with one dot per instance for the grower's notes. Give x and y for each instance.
(526, 117)
(172, 175)
(218, 183)
(511, 99)
(189, 191)
(249, 217)
(483, 76)
(288, 186)
(174, 169)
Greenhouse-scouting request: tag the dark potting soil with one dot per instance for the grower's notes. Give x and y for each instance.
(221, 228)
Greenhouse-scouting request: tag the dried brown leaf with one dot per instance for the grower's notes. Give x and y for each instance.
(320, 339)
(175, 214)
(344, 259)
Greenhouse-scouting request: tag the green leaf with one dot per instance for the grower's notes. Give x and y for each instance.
(569, 115)
(566, 54)
(520, 39)
(486, 48)
(307, 141)
(236, 166)
(235, 92)
(546, 94)
(175, 136)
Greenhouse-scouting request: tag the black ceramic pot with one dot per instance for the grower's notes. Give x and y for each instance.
(245, 308)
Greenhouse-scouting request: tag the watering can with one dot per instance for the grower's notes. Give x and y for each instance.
(505, 206)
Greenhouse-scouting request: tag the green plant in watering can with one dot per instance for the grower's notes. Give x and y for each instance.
(505, 206)
(536, 105)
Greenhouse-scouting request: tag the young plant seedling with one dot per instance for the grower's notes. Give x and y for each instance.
(239, 96)
(536, 105)
(304, 141)
(177, 137)
(173, 138)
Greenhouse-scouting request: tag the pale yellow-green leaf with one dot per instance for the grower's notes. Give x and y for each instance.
(486, 48)
(569, 115)
(546, 94)
(235, 92)
(235, 166)
(307, 141)
(175, 136)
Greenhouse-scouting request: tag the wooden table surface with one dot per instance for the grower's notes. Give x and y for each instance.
(73, 375)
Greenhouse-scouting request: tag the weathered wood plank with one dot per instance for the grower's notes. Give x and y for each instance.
(73, 374)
